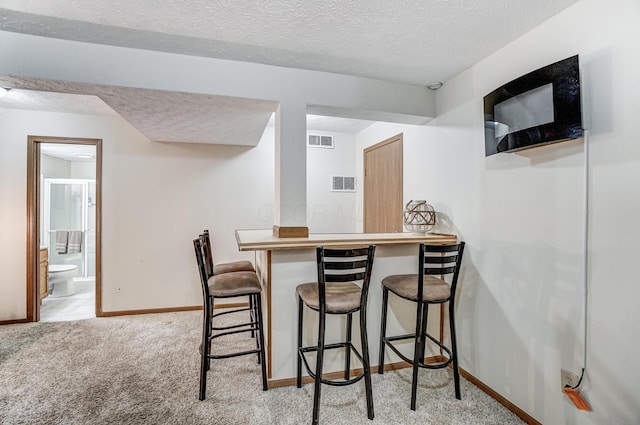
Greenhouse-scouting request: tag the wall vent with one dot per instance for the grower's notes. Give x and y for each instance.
(318, 141)
(343, 184)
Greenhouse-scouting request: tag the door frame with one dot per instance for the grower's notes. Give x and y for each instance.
(367, 190)
(34, 190)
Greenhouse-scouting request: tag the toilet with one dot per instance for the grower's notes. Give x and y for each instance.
(61, 279)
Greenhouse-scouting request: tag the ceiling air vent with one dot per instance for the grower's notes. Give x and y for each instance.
(343, 184)
(318, 141)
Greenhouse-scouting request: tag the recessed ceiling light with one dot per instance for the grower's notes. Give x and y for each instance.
(434, 86)
(84, 155)
(3, 91)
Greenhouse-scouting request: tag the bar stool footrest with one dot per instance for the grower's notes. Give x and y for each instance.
(388, 342)
(343, 382)
(238, 354)
(237, 310)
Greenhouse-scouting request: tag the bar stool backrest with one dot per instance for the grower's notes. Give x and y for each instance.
(442, 261)
(208, 259)
(344, 265)
(201, 255)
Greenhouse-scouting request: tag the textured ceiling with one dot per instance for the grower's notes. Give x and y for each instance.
(416, 42)
(161, 116)
(54, 102)
(164, 116)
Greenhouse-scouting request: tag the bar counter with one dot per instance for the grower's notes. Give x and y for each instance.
(284, 263)
(259, 240)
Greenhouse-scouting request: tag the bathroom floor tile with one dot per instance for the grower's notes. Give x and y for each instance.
(80, 305)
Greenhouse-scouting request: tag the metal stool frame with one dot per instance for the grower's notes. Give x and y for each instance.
(208, 334)
(341, 271)
(432, 265)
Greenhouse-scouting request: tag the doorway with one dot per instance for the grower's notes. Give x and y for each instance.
(64, 228)
(383, 186)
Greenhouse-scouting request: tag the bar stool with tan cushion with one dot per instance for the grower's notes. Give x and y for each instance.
(227, 285)
(437, 262)
(342, 288)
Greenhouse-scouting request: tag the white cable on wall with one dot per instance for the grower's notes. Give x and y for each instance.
(585, 247)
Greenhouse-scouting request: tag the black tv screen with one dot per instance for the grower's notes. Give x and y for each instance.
(536, 109)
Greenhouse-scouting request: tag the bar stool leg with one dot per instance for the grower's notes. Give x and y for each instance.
(347, 350)
(416, 355)
(299, 373)
(204, 348)
(263, 363)
(425, 314)
(252, 314)
(454, 350)
(319, 361)
(383, 330)
(211, 303)
(366, 365)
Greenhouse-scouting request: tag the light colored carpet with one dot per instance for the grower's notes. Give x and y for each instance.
(144, 370)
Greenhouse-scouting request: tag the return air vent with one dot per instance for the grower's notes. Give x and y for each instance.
(318, 141)
(343, 184)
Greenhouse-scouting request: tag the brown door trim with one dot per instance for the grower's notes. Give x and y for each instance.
(33, 219)
(33, 230)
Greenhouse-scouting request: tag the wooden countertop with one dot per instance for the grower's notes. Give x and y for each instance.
(258, 240)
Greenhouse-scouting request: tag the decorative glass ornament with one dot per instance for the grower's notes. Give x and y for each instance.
(419, 217)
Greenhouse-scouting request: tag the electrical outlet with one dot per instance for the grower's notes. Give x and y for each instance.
(568, 379)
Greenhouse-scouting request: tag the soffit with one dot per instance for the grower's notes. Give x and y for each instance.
(161, 116)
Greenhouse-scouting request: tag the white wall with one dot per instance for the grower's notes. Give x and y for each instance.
(54, 167)
(83, 169)
(327, 211)
(13, 184)
(521, 300)
(156, 198)
(520, 308)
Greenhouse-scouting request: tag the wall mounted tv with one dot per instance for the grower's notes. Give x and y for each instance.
(536, 109)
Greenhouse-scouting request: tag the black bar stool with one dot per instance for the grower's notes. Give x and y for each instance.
(424, 289)
(336, 292)
(227, 285)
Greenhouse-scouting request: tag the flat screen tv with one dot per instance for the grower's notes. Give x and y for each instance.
(536, 109)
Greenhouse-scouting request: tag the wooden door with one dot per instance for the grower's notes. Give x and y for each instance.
(383, 186)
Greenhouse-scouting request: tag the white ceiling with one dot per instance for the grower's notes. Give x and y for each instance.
(417, 42)
(69, 152)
